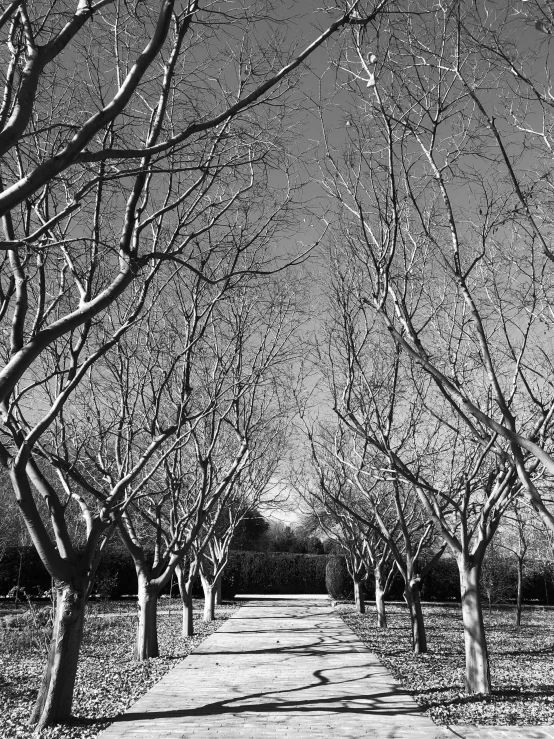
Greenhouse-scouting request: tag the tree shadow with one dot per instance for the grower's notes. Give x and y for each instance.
(380, 698)
(391, 702)
(542, 691)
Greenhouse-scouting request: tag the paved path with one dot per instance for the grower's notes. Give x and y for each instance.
(277, 670)
(283, 669)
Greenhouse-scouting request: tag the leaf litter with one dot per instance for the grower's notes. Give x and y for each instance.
(521, 663)
(108, 680)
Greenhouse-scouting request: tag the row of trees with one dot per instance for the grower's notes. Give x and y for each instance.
(147, 187)
(150, 183)
(436, 349)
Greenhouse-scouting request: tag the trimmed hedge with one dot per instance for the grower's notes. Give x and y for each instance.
(274, 573)
(337, 580)
(115, 575)
(254, 572)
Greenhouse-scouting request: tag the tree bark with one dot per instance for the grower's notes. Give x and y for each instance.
(419, 638)
(380, 605)
(359, 596)
(147, 628)
(209, 600)
(185, 588)
(519, 598)
(218, 594)
(188, 615)
(477, 660)
(56, 692)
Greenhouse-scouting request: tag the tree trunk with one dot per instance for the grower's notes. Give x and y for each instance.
(147, 628)
(359, 596)
(380, 605)
(477, 660)
(419, 638)
(18, 583)
(188, 614)
(519, 598)
(218, 596)
(185, 588)
(209, 600)
(56, 692)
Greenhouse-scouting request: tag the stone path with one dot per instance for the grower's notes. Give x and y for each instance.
(285, 669)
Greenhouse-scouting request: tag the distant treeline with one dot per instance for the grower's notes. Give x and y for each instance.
(276, 572)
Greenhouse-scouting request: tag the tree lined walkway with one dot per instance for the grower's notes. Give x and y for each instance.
(277, 669)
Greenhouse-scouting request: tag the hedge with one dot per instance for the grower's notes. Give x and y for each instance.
(24, 564)
(280, 573)
(254, 572)
(115, 576)
(338, 582)
(274, 573)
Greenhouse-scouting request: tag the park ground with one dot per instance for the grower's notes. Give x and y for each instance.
(522, 663)
(109, 681)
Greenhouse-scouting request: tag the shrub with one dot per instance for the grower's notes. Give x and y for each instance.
(23, 563)
(106, 584)
(337, 580)
(498, 578)
(32, 618)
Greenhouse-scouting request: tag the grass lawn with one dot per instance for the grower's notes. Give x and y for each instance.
(521, 662)
(108, 679)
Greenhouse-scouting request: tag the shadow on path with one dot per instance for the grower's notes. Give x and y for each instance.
(294, 664)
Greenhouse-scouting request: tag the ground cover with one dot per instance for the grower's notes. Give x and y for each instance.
(522, 664)
(108, 679)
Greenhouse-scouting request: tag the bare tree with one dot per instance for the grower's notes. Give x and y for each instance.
(454, 251)
(397, 429)
(445, 237)
(102, 490)
(380, 503)
(253, 487)
(521, 535)
(376, 419)
(191, 479)
(107, 174)
(342, 519)
(177, 535)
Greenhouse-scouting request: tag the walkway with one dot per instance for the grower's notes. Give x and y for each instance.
(280, 669)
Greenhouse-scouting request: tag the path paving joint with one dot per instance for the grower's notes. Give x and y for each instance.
(283, 669)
